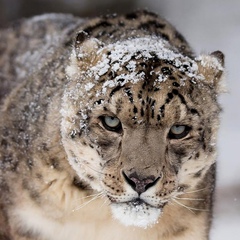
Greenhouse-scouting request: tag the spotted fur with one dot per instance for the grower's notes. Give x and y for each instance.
(64, 172)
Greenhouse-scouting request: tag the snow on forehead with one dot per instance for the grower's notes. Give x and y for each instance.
(115, 56)
(144, 46)
(121, 52)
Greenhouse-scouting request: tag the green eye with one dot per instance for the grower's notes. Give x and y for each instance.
(178, 131)
(111, 123)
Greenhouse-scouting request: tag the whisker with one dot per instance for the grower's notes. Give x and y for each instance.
(191, 209)
(192, 199)
(183, 206)
(88, 196)
(86, 203)
(198, 190)
(104, 203)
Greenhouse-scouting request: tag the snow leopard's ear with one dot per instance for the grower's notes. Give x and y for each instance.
(84, 54)
(212, 68)
(86, 46)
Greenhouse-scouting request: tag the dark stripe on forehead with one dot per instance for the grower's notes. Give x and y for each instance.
(169, 98)
(175, 92)
(135, 110)
(140, 94)
(142, 112)
(129, 94)
(153, 108)
(182, 99)
(161, 110)
(115, 90)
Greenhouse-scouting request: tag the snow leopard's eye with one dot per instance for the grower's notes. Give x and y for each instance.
(178, 131)
(111, 123)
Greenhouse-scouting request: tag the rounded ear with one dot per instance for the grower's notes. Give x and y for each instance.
(85, 46)
(212, 68)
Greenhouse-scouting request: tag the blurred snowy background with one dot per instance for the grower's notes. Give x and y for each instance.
(208, 25)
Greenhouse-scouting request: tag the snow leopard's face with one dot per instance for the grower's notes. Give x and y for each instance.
(142, 124)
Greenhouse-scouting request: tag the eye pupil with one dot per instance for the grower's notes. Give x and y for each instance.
(111, 123)
(178, 131)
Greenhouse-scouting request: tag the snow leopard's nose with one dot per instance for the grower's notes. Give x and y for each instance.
(139, 184)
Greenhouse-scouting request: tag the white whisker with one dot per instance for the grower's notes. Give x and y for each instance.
(86, 203)
(183, 205)
(88, 196)
(192, 199)
(104, 203)
(198, 190)
(191, 209)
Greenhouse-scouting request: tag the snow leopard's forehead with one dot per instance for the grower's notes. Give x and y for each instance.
(148, 59)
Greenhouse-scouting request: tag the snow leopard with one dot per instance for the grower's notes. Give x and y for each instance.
(108, 129)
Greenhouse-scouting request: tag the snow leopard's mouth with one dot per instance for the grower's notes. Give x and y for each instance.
(138, 203)
(136, 213)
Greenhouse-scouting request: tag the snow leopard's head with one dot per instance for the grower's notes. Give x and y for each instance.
(139, 123)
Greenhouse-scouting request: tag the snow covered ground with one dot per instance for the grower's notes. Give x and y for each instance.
(211, 25)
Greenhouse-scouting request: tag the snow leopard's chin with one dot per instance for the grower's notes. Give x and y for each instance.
(136, 213)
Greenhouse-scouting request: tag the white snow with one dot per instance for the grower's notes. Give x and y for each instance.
(89, 86)
(207, 61)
